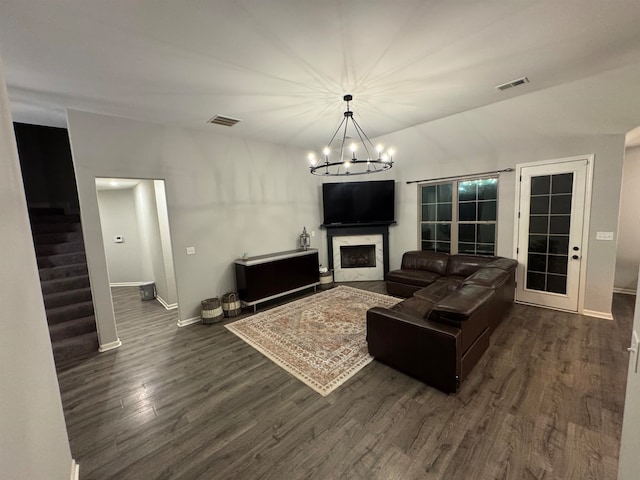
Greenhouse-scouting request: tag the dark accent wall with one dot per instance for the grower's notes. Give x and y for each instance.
(47, 167)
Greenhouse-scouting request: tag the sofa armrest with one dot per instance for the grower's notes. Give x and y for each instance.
(460, 305)
(426, 350)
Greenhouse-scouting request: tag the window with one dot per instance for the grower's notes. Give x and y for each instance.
(459, 216)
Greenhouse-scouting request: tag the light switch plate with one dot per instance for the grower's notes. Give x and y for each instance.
(191, 250)
(604, 235)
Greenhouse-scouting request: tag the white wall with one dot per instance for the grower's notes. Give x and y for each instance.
(225, 196)
(33, 436)
(628, 254)
(118, 217)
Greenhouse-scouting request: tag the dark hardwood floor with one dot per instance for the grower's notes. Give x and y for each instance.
(545, 402)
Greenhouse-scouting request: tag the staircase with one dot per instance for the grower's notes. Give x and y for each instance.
(65, 283)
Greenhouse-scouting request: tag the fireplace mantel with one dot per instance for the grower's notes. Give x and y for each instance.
(359, 229)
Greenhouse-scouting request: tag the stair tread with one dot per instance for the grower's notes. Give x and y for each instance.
(72, 306)
(59, 255)
(63, 293)
(55, 281)
(76, 321)
(63, 267)
(74, 347)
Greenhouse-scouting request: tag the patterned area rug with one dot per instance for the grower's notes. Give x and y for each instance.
(320, 339)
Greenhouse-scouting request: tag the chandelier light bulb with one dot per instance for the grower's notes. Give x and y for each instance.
(312, 159)
(385, 158)
(326, 151)
(379, 149)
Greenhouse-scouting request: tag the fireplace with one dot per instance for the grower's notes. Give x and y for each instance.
(357, 256)
(367, 251)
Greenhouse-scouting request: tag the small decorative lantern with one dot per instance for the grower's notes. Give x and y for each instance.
(305, 239)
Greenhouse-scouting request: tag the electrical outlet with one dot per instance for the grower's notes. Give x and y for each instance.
(191, 250)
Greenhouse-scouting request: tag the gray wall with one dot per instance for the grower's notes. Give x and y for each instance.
(33, 436)
(503, 135)
(225, 196)
(118, 217)
(628, 254)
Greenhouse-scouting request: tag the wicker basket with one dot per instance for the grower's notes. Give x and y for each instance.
(231, 304)
(211, 311)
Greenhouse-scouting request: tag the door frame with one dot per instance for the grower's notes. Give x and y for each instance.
(586, 219)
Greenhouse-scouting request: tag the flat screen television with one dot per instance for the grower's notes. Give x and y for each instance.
(358, 202)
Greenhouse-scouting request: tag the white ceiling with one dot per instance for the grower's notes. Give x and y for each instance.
(282, 66)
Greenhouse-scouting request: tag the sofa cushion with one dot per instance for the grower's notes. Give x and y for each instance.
(435, 262)
(452, 280)
(465, 265)
(506, 264)
(436, 291)
(489, 277)
(420, 278)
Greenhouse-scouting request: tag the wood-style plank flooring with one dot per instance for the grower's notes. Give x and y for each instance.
(545, 402)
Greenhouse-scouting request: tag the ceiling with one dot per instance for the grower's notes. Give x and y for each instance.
(282, 66)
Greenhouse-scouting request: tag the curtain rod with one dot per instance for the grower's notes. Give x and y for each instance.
(461, 176)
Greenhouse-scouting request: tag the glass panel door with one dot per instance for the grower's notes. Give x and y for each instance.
(550, 226)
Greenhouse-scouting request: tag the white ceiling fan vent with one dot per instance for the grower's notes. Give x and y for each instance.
(513, 83)
(225, 121)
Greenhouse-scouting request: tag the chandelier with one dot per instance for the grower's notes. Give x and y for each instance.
(372, 160)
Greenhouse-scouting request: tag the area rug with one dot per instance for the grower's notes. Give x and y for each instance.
(320, 339)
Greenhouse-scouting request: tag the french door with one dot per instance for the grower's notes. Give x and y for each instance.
(551, 211)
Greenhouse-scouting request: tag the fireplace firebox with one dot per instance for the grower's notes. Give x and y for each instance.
(357, 256)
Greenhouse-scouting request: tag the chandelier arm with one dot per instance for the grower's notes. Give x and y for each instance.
(344, 136)
(336, 132)
(360, 134)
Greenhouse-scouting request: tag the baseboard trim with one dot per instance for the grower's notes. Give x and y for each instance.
(624, 291)
(189, 321)
(588, 313)
(167, 306)
(596, 314)
(109, 346)
(126, 284)
(75, 470)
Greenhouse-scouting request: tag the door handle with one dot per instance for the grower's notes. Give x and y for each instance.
(575, 257)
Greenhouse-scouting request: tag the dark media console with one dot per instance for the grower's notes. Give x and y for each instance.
(266, 277)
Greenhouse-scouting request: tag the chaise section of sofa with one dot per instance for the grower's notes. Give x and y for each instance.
(441, 330)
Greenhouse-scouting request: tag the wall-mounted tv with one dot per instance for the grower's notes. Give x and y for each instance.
(358, 202)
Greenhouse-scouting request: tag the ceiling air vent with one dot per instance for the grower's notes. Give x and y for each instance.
(222, 120)
(513, 83)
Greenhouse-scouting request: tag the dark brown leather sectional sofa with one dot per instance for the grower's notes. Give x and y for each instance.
(453, 304)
